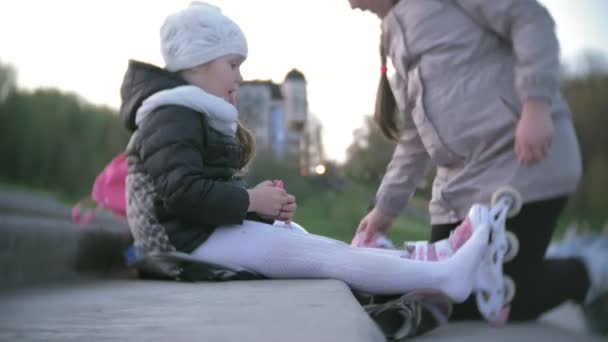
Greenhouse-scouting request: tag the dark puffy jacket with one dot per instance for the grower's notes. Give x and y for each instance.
(191, 164)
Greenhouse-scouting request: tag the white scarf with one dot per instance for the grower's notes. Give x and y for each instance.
(221, 114)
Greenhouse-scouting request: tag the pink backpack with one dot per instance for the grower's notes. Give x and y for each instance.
(108, 192)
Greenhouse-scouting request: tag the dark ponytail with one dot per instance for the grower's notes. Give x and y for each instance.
(385, 115)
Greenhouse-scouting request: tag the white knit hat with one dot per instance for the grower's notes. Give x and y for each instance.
(199, 34)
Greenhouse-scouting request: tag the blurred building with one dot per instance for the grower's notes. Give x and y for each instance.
(279, 118)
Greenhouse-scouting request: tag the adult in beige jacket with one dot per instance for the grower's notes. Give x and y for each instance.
(476, 86)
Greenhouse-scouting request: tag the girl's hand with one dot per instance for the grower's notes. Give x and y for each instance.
(268, 200)
(374, 222)
(288, 211)
(534, 133)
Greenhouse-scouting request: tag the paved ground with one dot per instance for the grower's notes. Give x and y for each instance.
(565, 324)
(287, 310)
(298, 310)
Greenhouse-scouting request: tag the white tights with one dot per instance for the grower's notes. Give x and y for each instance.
(278, 252)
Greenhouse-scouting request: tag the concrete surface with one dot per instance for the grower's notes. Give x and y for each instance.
(269, 310)
(122, 310)
(564, 324)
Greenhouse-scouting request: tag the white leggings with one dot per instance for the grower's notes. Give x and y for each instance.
(278, 252)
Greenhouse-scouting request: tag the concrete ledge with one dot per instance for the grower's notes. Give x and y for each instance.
(39, 244)
(261, 310)
(40, 205)
(35, 250)
(122, 310)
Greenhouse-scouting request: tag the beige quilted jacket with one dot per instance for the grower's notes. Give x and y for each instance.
(462, 70)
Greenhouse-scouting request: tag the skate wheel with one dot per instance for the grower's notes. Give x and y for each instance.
(513, 195)
(513, 247)
(509, 285)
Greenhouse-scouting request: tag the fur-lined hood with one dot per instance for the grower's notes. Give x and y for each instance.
(146, 87)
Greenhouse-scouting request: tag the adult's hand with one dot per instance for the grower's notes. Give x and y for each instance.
(374, 222)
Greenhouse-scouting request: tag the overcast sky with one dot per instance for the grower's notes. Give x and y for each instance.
(83, 47)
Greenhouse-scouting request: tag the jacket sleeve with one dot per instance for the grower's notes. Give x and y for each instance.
(530, 29)
(171, 150)
(404, 173)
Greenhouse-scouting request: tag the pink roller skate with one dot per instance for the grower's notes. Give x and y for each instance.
(378, 241)
(439, 250)
(493, 290)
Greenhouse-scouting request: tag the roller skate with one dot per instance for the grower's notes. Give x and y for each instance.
(439, 250)
(494, 290)
(378, 241)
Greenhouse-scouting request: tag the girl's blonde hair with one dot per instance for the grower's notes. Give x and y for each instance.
(243, 136)
(245, 139)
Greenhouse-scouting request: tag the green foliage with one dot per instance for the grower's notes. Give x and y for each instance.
(266, 167)
(327, 205)
(337, 214)
(56, 141)
(587, 98)
(369, 154)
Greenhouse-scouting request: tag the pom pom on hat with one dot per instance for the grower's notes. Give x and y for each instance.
(199, 34)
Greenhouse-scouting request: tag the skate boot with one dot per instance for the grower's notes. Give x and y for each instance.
(439, 250)
(378, 241)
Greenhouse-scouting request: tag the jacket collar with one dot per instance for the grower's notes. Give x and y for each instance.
(221, 114)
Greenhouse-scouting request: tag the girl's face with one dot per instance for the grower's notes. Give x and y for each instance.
(378, 7)
(220, 77)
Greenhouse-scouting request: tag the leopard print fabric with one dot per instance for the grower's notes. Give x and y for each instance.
(149, 235)
(155, 255)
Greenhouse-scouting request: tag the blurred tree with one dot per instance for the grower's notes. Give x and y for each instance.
(368, 155)
(56, 141)
(586, 92)
(593, 64)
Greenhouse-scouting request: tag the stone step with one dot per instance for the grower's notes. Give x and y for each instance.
(137, 310)
(40, 205)
(39, 244)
